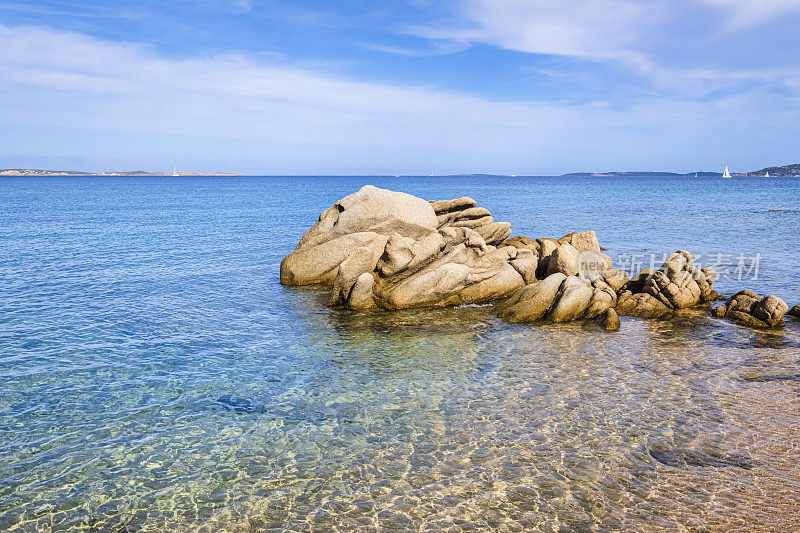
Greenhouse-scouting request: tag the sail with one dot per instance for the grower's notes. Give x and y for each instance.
(727, 173)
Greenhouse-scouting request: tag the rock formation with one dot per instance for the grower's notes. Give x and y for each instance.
(465, 213)
(365, 219)
(380, 248)
(559, 298)
(390, 250)
(747, 308)
(676, 285)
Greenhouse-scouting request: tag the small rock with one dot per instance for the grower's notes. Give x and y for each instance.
(642, 305)
(610, 320)
(770, 310)
(531, 302)
(448, 206)
(747, 308)
(573, 299)
(361, 296)
(495, 233)
(564, 259)
(616, 279)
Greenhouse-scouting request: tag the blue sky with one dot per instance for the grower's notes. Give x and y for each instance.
(403, 87)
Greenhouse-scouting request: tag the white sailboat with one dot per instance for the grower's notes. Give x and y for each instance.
(727, 173)
(695, 174)
(767, 174)
(175, 171)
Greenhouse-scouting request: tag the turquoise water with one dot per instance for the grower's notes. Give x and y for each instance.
(156, 376)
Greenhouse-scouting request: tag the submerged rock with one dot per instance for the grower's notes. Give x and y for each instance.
(747, 308)
(240, 405)
(687, 457)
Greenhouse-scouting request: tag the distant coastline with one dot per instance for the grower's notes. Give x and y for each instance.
(790, 171)
(786, 171)
(36, 172)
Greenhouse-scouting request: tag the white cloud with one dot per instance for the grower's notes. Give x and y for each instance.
(587, 28)
(740, 14)
(622, 30)
(82, 96)
(246, 5)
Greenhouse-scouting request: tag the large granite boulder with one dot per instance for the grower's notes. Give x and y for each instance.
(747, 308)
(379, 248)
(572, 300)
(362, 219)
(466, 270)
(318, 264)
(564, 259)
(583, 242)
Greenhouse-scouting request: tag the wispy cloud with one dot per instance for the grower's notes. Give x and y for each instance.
(622, 30)
(280, 119)
(433, 48)
(587, 28)
(738, 14)
(246, 5)
(88, 12)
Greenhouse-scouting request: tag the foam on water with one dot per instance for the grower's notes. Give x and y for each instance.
(156, 376)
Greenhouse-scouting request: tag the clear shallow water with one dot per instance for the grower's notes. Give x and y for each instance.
(155, 375)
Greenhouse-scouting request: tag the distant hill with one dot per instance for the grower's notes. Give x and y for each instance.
(36, 172)
(640, 173)
(786, 170)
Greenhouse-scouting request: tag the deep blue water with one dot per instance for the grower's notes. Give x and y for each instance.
(156, 375)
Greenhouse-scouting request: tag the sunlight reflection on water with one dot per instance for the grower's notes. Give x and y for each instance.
(156, 376)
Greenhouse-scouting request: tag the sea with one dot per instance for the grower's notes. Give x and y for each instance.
(156, 376)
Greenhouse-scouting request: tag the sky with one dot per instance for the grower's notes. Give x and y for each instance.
(526, 87)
